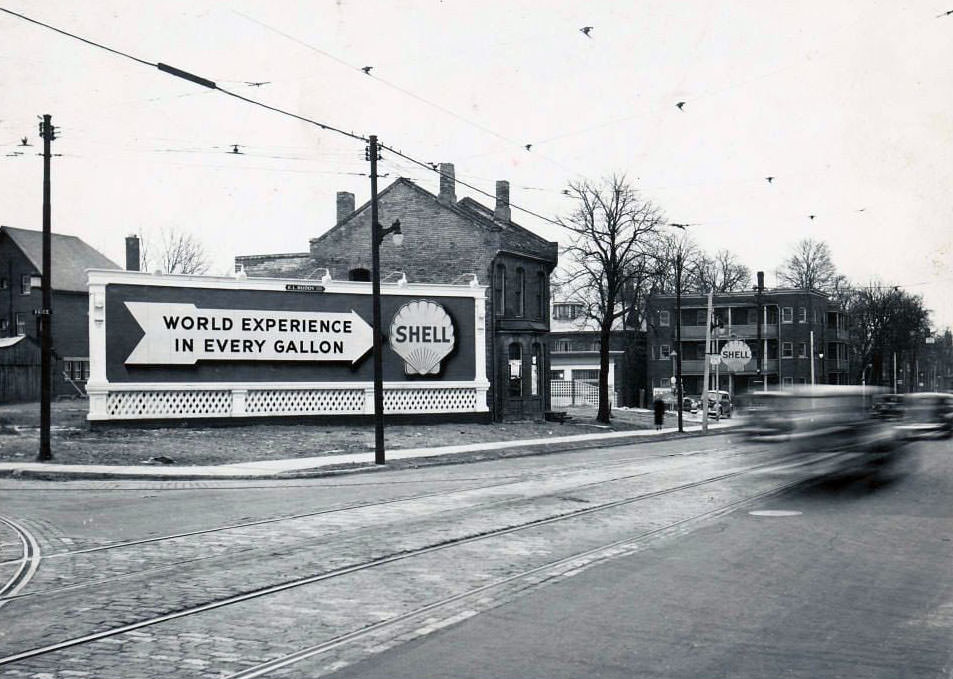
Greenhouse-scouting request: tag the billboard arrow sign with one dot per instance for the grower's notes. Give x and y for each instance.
(181, 334)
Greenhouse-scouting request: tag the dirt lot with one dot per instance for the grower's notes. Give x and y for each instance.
(74, 443)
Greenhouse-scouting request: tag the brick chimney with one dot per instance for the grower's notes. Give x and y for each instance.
(448, 191)
(502, 211)
(132, 253)
(345, 205)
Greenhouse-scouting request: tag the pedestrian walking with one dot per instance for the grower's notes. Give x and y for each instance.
(659, 406)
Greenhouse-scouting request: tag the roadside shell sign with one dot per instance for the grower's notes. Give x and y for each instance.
(735, 355)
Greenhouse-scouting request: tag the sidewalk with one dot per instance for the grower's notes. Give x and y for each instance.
(336, 463)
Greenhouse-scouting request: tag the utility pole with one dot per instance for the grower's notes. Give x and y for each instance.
(373, 153)
(758, 292)
(707, 366)
(45, 313)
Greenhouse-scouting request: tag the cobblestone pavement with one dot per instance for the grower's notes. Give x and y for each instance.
(83, 593)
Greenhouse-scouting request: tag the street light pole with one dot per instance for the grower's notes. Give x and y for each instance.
(377, 237)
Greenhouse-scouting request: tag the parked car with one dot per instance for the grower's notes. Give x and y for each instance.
(690, 404)
(724, 399)
(715, 409)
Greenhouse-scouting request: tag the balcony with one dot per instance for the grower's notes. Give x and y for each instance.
(696, 332)
(697, 367)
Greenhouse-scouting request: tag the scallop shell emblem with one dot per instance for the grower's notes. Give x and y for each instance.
(421, 333)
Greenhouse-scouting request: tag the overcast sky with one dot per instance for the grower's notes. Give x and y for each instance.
(847, 104)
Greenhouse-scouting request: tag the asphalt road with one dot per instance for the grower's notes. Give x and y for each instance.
(845, 578)
(634, 560)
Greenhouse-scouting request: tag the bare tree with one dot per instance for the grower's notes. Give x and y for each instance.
(810, 267)
(173, 251)
(610, 228)
(721, 273)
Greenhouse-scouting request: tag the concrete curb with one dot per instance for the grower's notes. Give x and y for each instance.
(351, 462)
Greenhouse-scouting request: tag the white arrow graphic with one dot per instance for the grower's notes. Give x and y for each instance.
(181, 334)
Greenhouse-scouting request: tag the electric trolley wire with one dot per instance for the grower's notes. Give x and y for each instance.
(210, 84)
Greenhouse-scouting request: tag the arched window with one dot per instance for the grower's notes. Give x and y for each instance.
(515, 369)
(540, 295)
(359, 275)
(520, 292)
(499, 300)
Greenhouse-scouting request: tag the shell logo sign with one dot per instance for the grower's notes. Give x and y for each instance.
(421, 333)
(735, 355)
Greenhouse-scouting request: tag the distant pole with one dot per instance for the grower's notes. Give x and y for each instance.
(46, 311)
(707, 368)
(895, 372)
(678, 337)
(759, 291)
(812, 358)
(379, 456)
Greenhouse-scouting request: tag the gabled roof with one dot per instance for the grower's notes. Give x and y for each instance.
(466, 208)
(70, 257)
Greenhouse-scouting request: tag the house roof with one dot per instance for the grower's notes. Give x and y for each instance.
(467, 208)
(70, 257)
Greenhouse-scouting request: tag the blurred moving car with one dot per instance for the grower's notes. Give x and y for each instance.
(926, 415)
(818, 418)
(888, 406)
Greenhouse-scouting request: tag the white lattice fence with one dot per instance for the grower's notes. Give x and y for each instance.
(304, 401)
(146, 404)
(565, 393)
(449, 400)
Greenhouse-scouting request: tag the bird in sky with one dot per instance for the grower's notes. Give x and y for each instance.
(811, 217)
(367, 70)
(585, 30)
(258, 84)
(234, 149)
(565, 192)
(770, 179)
(945, 14)
(681, 105)
(24, 141)
(528, 147)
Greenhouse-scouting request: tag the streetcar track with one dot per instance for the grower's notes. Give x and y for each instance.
(606, 549)
(28, 563)
(512, 480)
(399, 556)
(247, 551)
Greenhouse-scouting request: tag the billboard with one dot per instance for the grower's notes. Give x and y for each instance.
(200, 346)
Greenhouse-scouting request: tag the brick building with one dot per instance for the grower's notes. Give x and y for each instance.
(449, 241)
(21, 258)
(791, 322)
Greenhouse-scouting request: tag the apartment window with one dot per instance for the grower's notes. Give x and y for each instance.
(25, 284)
(520, 291)
(787, 381)
(359, 275)
(664, 318)
(4, 284)
(665, 381)
(664, 351)
(500, 288)
(586, 375)
(700, 316)
(787, 350)
(540, 295)
(76, 369)
(562, 345)
(802, 349)
(787, 314)
(567, 312)
(557, 375)
(802, 315)
(21, 323)
(516, 369)
(4, 324)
